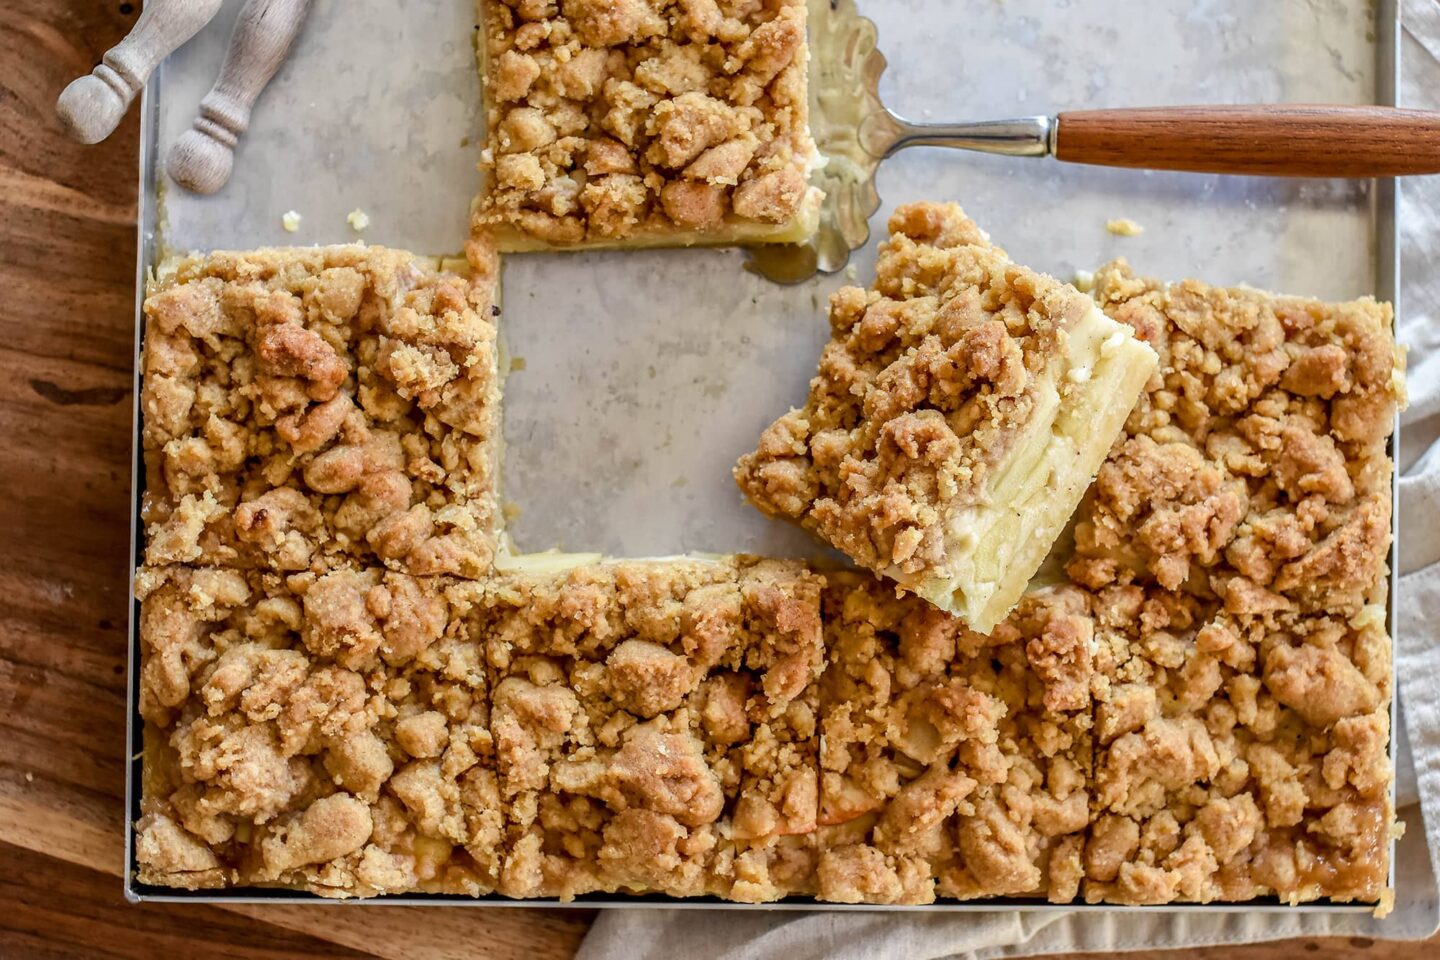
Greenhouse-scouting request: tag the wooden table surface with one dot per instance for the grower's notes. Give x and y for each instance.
(67, 272)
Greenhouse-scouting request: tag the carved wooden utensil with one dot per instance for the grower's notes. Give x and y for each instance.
(91, 107)
(203, 156)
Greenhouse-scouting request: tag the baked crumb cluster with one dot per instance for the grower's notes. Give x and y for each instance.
(614, 121)
(617, 727)
(959, 400)
(305, 409)
(1255, 467)
(953, 764)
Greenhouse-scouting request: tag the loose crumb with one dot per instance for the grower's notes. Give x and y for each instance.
(1084, 281)
(290, 220)
(517, 364)
(1124, 227)
(358, 219)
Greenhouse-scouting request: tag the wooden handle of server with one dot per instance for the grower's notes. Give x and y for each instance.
(1274, 140)
(91, 107)
(203, 156)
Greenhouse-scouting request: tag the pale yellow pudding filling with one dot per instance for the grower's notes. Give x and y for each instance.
(736, 231)
(997, 544)
(552, 562)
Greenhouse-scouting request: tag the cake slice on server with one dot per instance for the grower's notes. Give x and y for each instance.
(961, 409)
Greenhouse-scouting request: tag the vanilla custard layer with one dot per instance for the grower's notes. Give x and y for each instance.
(734, 232)
(551, 562)
(997, 544)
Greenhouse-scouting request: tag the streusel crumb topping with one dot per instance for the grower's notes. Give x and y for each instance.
(1255, 466)
(329, 733)
(628, 726)
(1238, 756)
(655, 724)
(1200, 714)
(617, 119)
(956, 370)
(304, 408)
(953, 764)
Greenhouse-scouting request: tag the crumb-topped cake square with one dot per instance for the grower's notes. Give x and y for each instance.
(961, 409)
(1256, 463)
(954, 765)
(306, 408)
(645, 123)
(655, 724)
(1239, 756)
(327, 733)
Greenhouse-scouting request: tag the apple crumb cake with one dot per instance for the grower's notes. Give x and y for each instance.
(1237, 543)
(305, 408)
(654, 724)
(550, 731)
(1256, 464)
(329, 733)
(954, 765)
(645, 123)
(1239, 755)
(960, 411)
(1198, 712)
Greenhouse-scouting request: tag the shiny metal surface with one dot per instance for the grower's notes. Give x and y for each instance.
(884, 134)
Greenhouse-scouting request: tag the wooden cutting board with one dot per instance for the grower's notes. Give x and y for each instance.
(67, 273)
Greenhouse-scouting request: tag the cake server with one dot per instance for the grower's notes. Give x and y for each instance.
(856, 132)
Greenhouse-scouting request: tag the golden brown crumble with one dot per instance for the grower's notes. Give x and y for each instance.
(1201, 715)
(629, 726)
(659, 727)
(1238, 756)
(329, 733)
(655, 725)
(1255, 466)
(953, 765)
(616, 120)
(305, 408)
(928, 390)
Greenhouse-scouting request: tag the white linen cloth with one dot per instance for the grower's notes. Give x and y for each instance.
(640, 934)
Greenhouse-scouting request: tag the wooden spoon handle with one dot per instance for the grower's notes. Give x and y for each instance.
(1272, 140)
(91, 107)
(202, 158)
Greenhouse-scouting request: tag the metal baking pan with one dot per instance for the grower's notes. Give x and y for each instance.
(380, 111)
